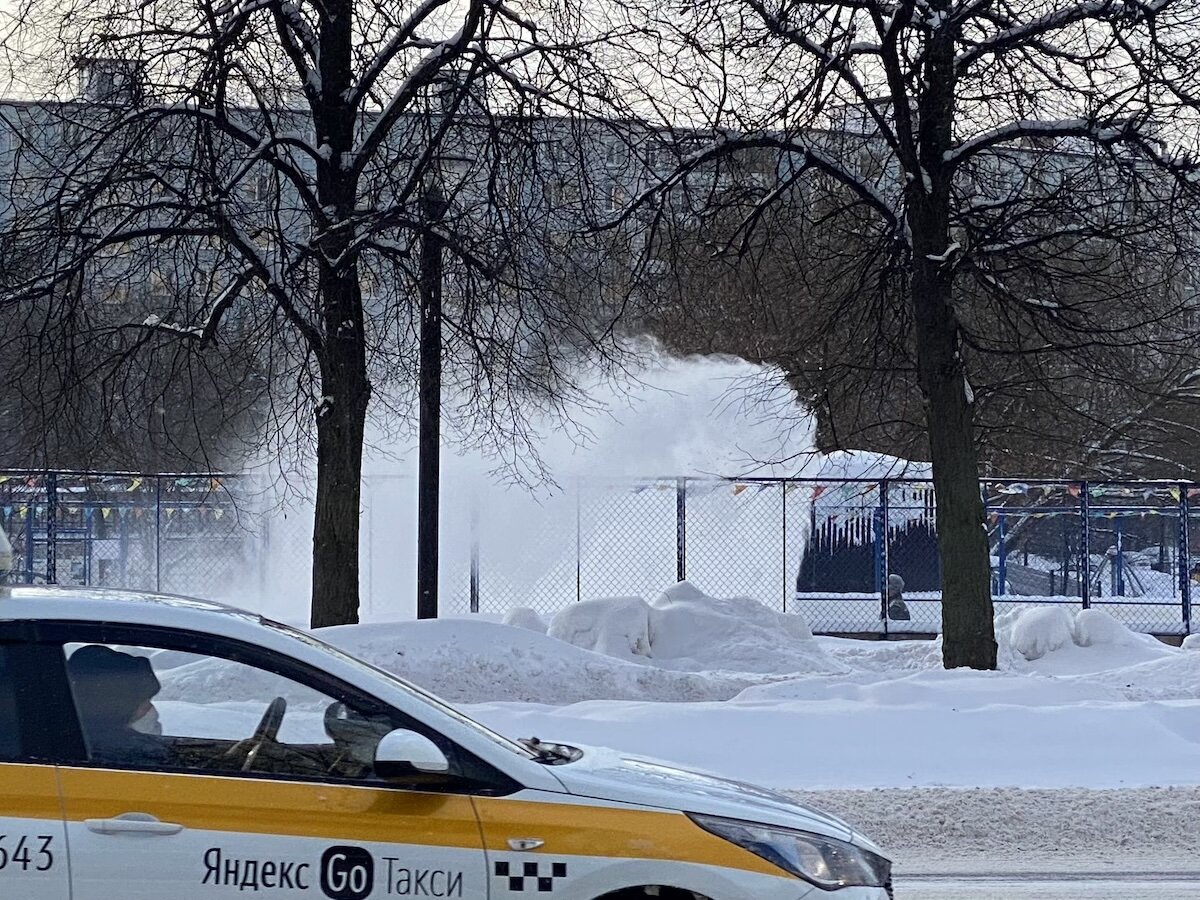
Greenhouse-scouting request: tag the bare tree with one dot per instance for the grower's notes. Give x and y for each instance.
(268, 166)
(985, 155)
(795, 295)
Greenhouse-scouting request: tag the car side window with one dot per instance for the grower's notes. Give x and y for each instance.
(147, 707)
(10, 732)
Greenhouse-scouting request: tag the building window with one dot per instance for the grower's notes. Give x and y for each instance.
(257, 187)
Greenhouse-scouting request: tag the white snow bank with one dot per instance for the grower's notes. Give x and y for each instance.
(1097, 707)
(955, 736)
(525, 617)
(617, 626)
(686, 630)
(1035, 632)
(1096, 628)
(685, 646)
(960, 690)
(1090, 640)
(470, 661)
(697, 632)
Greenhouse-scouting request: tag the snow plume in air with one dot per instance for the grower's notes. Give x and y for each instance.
(697, 416)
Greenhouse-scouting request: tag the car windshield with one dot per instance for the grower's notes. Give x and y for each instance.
(436, 702)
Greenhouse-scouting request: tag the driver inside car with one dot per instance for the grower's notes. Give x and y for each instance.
(112, 692)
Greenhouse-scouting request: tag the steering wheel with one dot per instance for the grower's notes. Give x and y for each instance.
(266, 732)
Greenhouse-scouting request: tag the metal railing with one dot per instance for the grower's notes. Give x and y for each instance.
(825, 548)
(186, 533)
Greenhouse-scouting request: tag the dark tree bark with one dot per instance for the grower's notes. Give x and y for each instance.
(967, 625)
(340, 429)
(342, 411)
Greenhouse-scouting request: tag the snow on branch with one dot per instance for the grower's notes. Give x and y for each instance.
(944, 256)
(1099, 132)
(422, 74)
(1032, 31)
(404, 34)
(203, 333)
(812, 158)
(839, 62)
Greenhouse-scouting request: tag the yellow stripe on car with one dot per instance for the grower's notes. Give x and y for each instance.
(609, 831)
(213, 803)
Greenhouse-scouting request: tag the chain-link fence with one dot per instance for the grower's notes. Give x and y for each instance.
(834, 551)
(181, 534)
(849, 555)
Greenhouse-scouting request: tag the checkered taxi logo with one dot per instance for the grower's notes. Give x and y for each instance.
(533, 877)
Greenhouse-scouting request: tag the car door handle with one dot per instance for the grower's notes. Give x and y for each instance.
(132, 823)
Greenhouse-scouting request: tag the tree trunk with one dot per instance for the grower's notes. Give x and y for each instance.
(341, 421)
(968, 632)
(968, 629)
(342, 410)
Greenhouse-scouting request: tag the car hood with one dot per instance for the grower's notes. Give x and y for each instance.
(606, 775)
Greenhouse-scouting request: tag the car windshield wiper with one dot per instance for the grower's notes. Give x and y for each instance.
(551, 754)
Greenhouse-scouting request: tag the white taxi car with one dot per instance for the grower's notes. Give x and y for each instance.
(161, 748)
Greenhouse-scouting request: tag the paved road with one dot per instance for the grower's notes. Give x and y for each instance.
(1064, 886)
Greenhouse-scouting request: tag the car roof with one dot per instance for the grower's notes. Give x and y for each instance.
(18, 602)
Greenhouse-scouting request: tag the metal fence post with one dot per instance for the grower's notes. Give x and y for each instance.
(51, 528)
(1184, 557)
(578, 541)
(1002, 553)
(784, 487)
(30, 522)
(157, 534)
(884, 561)
(1085, 546)
(1118, 563)
(681, 529)
(474, 588)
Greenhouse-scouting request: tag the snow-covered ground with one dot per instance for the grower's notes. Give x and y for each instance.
(1080, 755)
(733, 687)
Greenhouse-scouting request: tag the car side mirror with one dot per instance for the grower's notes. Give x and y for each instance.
(403, 753)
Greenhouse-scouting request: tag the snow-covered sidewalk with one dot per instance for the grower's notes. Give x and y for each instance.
(936, 831)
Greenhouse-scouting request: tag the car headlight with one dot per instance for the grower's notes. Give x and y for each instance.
(823, 861)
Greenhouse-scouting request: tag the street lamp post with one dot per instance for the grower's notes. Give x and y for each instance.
(433, 208)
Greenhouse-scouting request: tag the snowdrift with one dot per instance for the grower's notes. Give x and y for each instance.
(470, 662)
(1066, 642)
(729, 686)
(684, 646)
(686, 630)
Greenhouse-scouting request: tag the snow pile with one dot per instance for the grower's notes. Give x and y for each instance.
(618, 627)
(686, 630)
(685, 646)
(1035, 632)
(1096, 628)
(525, 617)
(693, 631)
(469, 661)
(1090, 640)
